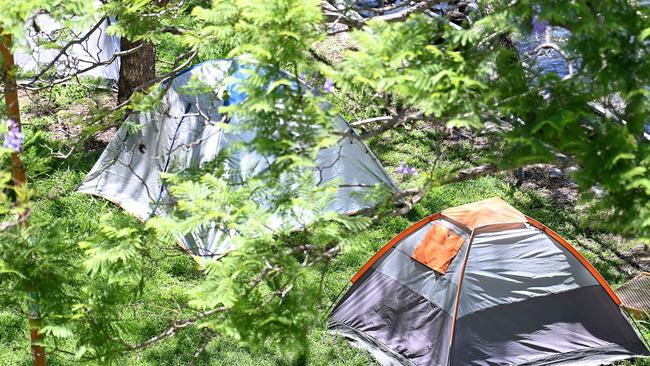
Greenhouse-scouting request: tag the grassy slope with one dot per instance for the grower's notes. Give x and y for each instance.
(79, 215)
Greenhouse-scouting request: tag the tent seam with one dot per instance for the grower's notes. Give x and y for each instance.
(441, 278)
(460, 285)
(530, 297)
(546, 358)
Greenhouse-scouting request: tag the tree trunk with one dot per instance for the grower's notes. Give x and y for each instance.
(136, 69)
(11, 101)
(20, 179)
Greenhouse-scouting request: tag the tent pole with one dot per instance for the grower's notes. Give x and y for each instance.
(336, 300)
(20, 179)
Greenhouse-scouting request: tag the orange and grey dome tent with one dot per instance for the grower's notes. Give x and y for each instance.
(483, 284)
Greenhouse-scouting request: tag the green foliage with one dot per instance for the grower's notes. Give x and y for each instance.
(408, 60)
(104, 284)
(465, 77)
(171, 274)
(64, 95)
(15, 14)
(277, 222)
(612, 151)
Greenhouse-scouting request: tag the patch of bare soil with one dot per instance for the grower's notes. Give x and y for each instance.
(546, 179)
(62, 131)
(463, 135)
(32, 105)
(550, 181)
(642, 251)
(100, 140)
(106, 136)
(65, 127)
(69, 123)
(554, 183)
(79, 109)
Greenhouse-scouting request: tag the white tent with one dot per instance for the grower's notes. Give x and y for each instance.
(46, 37)
(184, 131)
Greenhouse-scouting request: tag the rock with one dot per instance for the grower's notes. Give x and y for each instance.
(599, 192)
(555, 173)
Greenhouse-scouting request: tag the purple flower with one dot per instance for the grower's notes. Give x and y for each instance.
(411, 171)
(328, 86)
(14, 138)
(538, 28)
(406, 169)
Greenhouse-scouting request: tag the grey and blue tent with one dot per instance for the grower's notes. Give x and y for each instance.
(483, 284)
(186, 130)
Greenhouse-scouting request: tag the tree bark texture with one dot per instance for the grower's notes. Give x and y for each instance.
(136, 69)
(20, 179)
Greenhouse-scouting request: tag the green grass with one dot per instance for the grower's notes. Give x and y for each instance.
(80, 212)
(55, 199)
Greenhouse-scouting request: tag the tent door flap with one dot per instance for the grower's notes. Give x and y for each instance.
(438, 248)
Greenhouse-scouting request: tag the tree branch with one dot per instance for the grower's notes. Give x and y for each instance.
(94, 65)
(396, 121)
(64, 49)
(174, 327)
(371, 120)
(548, 43)
(337, 15)
(208, 337)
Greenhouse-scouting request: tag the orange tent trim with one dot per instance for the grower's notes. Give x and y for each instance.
(467, 216)
(392, 243)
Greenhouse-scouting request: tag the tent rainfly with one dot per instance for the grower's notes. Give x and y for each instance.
(185, 131)
(97, 48)
(483, 284)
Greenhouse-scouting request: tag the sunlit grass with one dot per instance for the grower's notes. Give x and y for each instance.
(55, 199)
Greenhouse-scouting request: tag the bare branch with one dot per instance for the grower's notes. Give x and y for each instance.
(386, 8)
(207, 338)
(407, 11)
(473, 173)
(353, 20)
(395, 121)
(77, 73)
(191, 55)
(371, 120)
(549, 44)
(64, 49)
(175, 327)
